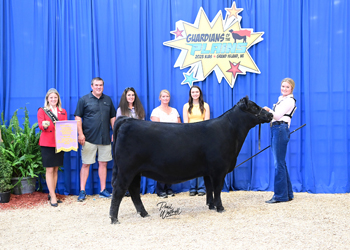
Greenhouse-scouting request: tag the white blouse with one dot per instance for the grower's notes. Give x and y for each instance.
(54, 110)
(284, 106)
(164, 117)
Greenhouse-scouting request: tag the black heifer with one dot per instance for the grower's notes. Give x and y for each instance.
(174, 153)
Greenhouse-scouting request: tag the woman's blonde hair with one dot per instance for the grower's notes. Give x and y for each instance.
(290, 81)
(59, 103)
(165, 91)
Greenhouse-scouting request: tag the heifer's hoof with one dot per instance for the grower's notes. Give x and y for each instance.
(143, 214)
(220, 209)
(211, 207)
(114, 221)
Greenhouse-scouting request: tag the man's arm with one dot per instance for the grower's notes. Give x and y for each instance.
(81, 136)
(112, 125)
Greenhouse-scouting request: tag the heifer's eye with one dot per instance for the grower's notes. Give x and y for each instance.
(255, 109)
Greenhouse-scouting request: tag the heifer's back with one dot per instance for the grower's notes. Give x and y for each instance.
(171, 152)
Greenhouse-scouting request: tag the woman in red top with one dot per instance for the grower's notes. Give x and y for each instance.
(51, 160)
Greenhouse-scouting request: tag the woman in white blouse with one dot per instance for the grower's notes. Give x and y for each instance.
(282, 115)
(165, 113)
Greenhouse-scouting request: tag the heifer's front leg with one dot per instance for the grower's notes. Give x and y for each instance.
(218, 184)
(117, 196)
(134, 190)
(209, 188)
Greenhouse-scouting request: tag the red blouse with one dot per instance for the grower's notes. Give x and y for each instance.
(47, 137)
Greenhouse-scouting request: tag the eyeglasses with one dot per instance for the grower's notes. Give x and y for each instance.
(129, 88)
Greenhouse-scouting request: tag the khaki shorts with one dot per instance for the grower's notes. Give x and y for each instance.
(88, 153)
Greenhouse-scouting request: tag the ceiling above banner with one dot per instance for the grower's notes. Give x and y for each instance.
(221, 46)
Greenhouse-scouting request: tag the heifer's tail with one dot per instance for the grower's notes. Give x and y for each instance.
(120, 121)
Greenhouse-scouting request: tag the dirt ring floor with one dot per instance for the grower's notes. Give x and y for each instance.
(310, 221)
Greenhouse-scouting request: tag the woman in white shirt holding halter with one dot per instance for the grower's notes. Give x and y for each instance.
(282, 114)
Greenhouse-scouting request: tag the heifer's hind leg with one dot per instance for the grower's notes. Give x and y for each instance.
(134, 190)
(209, 188)
(118, 194)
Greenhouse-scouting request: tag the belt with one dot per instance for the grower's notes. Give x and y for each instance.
(278, 123)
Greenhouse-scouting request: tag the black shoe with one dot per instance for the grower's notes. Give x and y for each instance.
(193, 193)
(201, 193)
(170, 193)
(163, 195)
(49, 198)
(54, 204)
(272, 201)
(290, 199)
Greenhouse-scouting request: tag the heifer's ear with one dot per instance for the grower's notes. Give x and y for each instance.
(243, 103)
(246, 100)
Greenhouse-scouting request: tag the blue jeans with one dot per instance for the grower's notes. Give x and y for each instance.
(197, 185)
(279, 141)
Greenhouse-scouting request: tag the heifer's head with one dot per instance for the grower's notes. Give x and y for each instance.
(251, 107)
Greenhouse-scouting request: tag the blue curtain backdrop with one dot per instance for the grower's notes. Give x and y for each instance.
(64, 44)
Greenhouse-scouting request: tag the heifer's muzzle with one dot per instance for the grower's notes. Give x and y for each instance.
(264, 116)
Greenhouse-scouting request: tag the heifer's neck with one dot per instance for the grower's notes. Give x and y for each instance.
(241, 122)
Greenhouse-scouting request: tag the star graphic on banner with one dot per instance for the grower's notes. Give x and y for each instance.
(233, 11)
(234, 69)
(177, 32)
(189, 79)
(210, 55)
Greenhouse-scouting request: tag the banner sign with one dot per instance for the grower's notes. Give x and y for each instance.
(221, 46)
(66, 136)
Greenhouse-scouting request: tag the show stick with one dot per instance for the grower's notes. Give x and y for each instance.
(267, 147)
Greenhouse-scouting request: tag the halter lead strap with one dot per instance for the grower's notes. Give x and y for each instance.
(259, 134)
(258, 115)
